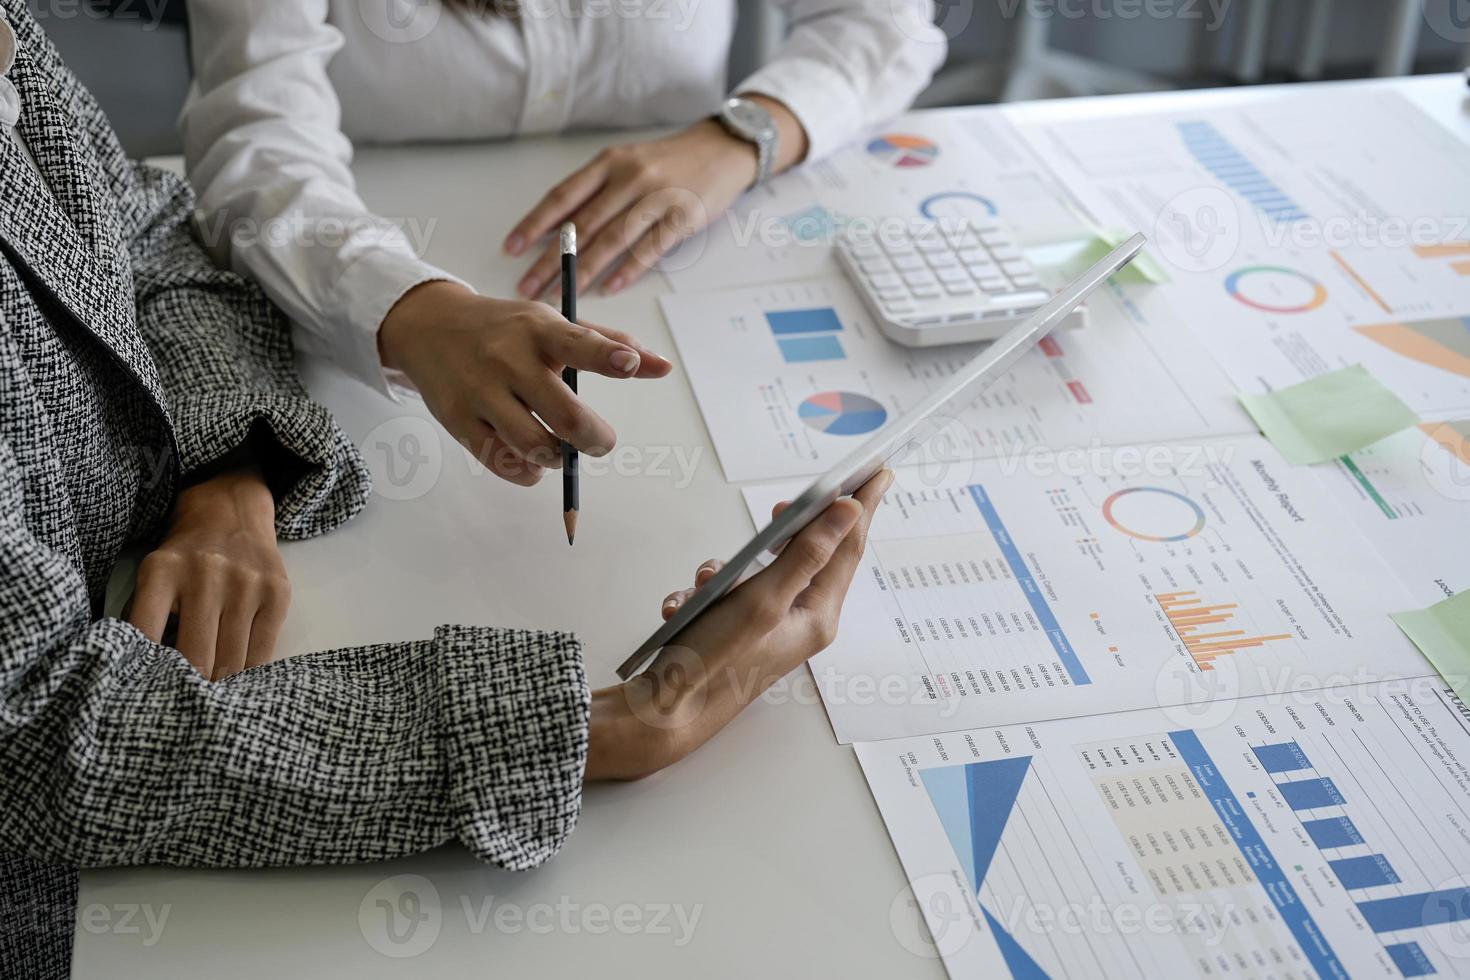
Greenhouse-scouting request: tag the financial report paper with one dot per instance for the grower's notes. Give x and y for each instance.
(1298, 244)
(1410, 497)
(1298, 836)
(999, 592)
(792, 376)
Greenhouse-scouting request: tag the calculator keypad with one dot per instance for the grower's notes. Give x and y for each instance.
(944, 272)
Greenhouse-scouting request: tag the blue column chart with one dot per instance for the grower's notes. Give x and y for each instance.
(1236, 171)
(1325, 812)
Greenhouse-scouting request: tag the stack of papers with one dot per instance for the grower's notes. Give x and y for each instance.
(1132, 663)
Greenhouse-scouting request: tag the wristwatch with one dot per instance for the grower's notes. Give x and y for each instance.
(749, 121)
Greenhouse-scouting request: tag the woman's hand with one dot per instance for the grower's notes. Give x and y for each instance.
(634, 202)
(755, 635)
(484, 366)
(219, 573)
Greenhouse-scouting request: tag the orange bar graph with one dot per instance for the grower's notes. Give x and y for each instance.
(1463, 268)
(1186, 614)
(1446, 251)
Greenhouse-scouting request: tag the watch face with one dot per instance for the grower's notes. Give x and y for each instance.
(751, 119)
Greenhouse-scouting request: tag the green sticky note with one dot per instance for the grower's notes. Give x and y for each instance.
(1329, 416)
(1143, 270)
(1442, 633)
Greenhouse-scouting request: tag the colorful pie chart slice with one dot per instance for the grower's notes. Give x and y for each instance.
(842, 413)
(903, 150)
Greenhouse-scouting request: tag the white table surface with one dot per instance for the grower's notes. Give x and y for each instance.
(768, 833)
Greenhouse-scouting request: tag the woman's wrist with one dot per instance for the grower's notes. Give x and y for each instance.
(619, 746)
(241, 492)
(791, 141)
(649, 723)
(415, 310)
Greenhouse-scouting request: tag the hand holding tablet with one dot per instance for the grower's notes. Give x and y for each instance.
(898, 436)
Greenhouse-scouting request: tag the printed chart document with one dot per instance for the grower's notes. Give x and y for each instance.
(1410, 496)
(939, 165)
(1297, 245)
(791, 377)
(1006, 591)
(1293, 837)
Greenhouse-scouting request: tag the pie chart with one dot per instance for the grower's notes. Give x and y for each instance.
(902, 150)
(842, 413)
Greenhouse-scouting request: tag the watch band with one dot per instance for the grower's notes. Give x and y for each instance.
(765, 158)
(763, 138)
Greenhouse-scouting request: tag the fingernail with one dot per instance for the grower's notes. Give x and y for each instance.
(514, 244)
(614, 284)
(625, 361)
(527, 287)
(888, 477)
(671, 603)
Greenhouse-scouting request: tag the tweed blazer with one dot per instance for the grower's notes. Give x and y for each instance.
(128, 365)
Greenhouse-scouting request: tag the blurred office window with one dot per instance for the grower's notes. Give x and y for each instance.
(133, 54)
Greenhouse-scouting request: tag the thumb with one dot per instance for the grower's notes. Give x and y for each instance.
(809, 552)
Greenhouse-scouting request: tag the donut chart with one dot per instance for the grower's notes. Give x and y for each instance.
(957, 204)
(903, 150)
(842, 413)
(1154, 514)
(1275, 289)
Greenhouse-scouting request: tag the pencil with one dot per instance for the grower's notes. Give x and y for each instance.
(569, 482)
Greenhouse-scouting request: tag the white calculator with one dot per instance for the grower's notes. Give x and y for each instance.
(943, 282)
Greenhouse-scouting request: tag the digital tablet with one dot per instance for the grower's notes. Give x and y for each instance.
(913, 429)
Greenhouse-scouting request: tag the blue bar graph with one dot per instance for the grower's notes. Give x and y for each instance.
(1236, 171)
(1332, 832)
(1417, 911)
(821, 347)
(818, 320)
(1364, 872)
(1282, 757)
(1410, 959)
(1268, 872)
(1308, 794)
(1048, 620)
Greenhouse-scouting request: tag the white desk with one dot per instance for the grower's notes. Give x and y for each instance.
(768, 833)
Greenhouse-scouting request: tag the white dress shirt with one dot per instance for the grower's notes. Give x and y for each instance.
(283, 88)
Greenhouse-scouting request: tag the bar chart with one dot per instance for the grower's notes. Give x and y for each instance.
(1313, 836)
(1194, 621)
(1225, 161)
(1325, 812)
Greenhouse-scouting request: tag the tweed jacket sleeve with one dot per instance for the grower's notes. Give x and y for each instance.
(222, 352)
(224, 359)
(113, 749)
(116, 751)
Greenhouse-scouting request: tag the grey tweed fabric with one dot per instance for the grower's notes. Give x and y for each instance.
(128, 364)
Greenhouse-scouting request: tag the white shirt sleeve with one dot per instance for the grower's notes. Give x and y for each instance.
(264, 148)
(850, 64)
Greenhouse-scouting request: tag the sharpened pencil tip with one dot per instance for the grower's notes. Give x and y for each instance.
(569, 518)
